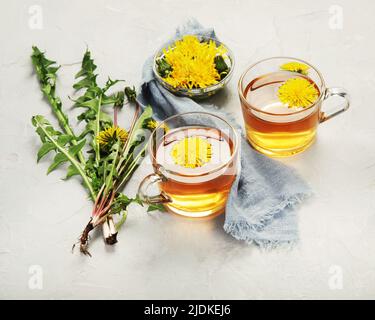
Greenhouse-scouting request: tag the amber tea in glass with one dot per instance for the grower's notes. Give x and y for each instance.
(194, 156)
(272, 127)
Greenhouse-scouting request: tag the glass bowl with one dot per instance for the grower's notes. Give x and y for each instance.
(197, 93)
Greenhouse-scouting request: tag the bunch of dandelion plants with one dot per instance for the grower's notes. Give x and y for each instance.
(104, 155)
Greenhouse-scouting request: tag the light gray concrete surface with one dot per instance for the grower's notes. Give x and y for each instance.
(160, 256)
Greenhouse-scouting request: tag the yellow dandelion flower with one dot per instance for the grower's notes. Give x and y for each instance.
(111, 135)
(152, 124)
(193, 62)
(298, 92)
(191, 152)
(295, 67)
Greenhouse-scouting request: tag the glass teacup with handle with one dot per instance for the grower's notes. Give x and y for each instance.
(194, 157)
(282, 105)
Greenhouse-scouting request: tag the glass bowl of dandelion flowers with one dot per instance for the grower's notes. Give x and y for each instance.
(194, 66)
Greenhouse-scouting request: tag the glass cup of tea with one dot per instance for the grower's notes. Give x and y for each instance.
(277, 128)
(194, 157)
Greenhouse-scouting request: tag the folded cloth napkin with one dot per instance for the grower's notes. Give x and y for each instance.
(261, 205)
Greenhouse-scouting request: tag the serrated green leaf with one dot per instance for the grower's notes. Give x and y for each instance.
(92, 104)
(71, 171)
(110, 83)
(76, 148)
(63, 155)
(58, 160)
(63, 139)
(87, 67)
(90, 126)
(52, 131)
(105, 117)
(84, 83)
(45, 148)
(78, 101)
(108, 100)
(33, 121)
(87, 115)
(154, 207)
(93, 91)
(138, 200)
(39, 119)
(41, 134)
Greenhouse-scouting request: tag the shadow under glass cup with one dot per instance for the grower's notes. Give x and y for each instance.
(194, 157)
(271, 127)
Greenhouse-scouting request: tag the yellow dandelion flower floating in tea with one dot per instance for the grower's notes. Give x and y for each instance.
(298, 92)
(192, 152)
(111, 135)
(191, 63)
(295, 67)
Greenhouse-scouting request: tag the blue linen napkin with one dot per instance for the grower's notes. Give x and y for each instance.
(261, 205)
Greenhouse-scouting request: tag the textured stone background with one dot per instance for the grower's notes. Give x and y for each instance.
(161, 256)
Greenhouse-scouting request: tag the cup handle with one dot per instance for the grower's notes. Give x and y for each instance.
(147, 182)
(330, 92)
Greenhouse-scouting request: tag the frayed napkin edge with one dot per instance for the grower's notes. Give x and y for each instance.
(240, 229)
